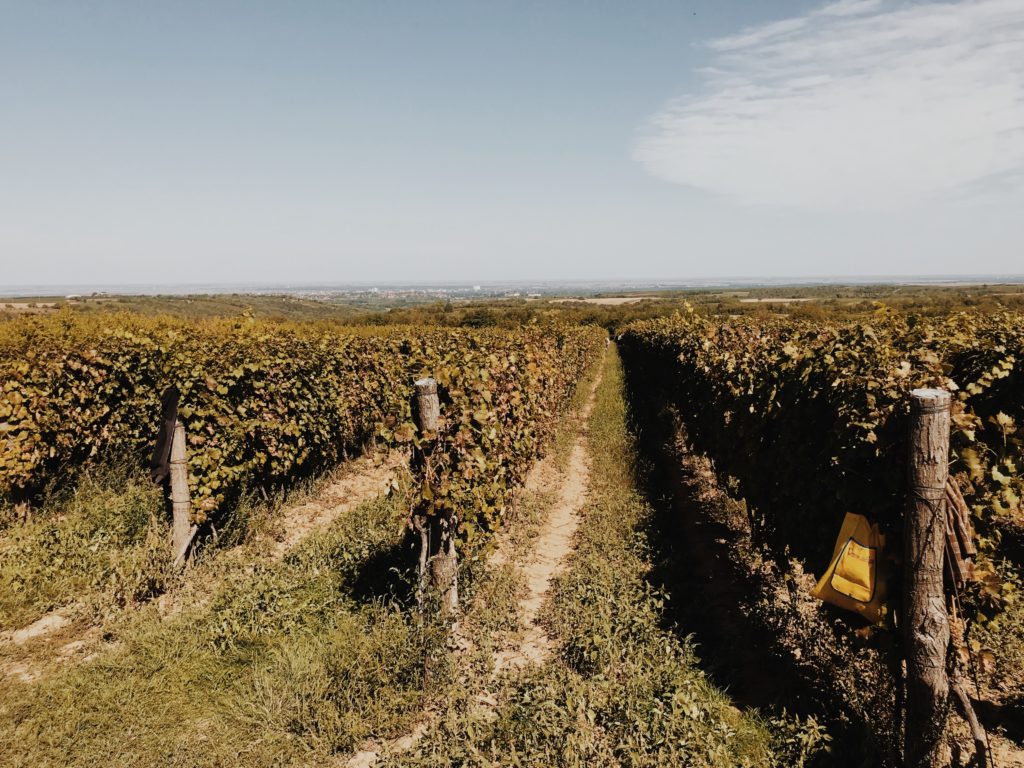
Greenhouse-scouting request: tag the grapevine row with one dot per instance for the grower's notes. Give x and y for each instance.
(265, 403)
(810, 418)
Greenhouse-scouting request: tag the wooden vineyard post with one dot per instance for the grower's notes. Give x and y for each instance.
(925, 623)
(428, 406)
(438, 559)
(182, 531)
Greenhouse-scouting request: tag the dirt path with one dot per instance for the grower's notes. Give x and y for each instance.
(543, 562)
(553, 544)
(64, 636)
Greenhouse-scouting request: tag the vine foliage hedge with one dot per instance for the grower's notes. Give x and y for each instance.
(501, 393)
(810, 418)
(264, 403)
(261, 403)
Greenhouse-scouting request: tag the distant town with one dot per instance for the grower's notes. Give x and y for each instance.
(482, 290)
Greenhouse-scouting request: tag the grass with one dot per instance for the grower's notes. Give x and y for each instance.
(299, 660)
(103, 542)
(622, 689)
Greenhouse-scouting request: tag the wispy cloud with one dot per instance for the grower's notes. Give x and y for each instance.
(862, 104)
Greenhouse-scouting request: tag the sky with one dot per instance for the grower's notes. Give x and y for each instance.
(390, 140)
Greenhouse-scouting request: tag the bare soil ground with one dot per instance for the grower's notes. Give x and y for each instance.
(28, 307)
(609, 301)
(776, 301)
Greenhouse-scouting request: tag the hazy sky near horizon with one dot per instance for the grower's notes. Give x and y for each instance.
(402, 140)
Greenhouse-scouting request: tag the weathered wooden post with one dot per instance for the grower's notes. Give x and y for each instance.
(438, 559)
(925, 623)
(182, 530)
(428, 406)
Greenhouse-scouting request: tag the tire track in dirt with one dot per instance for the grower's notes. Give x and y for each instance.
(545, 560)
(553, 545)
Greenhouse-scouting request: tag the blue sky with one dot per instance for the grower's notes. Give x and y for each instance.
(305, 142)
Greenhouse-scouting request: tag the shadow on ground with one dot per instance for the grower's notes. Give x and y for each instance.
(710, 598)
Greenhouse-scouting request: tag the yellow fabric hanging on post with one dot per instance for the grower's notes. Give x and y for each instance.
(854, 580)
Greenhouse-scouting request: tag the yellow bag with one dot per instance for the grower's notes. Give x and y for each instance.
(854, 580)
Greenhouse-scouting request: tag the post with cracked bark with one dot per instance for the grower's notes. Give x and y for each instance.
(182, 531)
(438, 564)
(925, 623)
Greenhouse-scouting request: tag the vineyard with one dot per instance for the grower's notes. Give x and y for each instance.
(264, 405)
(808, 421)
(811, 419)
(704, 479)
